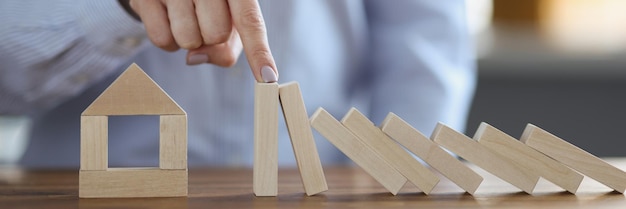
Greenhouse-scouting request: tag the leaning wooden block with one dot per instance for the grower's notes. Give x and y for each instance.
(574, 157)
(390, 151)
(129, 182)
(475, 153)
(173, 142)
(356, 150)
(528, 158)
(94, 143)
(431, 153)
(302, 140)
(265, 168)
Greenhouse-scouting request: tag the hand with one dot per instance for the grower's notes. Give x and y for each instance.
(214, 31)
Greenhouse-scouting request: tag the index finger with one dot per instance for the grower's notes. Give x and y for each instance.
(248, 21)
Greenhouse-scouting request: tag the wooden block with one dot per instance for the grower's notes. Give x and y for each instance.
(134, 93)
(173, 142)
(302, 140)
(265, 168)
(129, 182)
(94, 143)
(356, 150)
(389, 150)
(574, 157)
(527, 158)
(475, 153)
(431, 153)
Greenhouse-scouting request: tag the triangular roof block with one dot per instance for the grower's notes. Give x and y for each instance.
(134, 93)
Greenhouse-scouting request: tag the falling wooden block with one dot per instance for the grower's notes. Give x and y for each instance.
(302, 140)
(265, 168)
(356, 150)
(94, 143)
(133, 182)
(528, 158)
(389, 150)
(173, 142)
(475, 153)
(431, 153)
(574, 157)
(133, 93)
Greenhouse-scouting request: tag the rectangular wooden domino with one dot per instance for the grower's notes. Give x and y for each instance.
(574, 157)
(475, 153)
(527, 158)
(390, 151)
(302, 140)
(356, 150)
(265, 168)
(416, 142)
(133, 182)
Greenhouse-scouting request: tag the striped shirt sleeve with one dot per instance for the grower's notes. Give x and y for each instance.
(51, 51)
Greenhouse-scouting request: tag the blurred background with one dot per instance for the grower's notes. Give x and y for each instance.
(559, 64)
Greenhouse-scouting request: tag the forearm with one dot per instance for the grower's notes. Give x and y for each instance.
(53, 50)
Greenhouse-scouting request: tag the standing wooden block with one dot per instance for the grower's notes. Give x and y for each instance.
(173, 142)
(475, 153)
(390, 151)
(431, 153)
(356, 150)
(133, 182)
(574, 157)
(527, 158)
(265, 168)
(94, 143)
(302, 140)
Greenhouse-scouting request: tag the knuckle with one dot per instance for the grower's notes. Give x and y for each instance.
(189, 44)
(261, 54)
(229, 60)
(163, 41)
(223, 57)
(252, 19)
(216, 37)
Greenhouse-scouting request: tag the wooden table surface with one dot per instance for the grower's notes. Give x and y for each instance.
(349, 187)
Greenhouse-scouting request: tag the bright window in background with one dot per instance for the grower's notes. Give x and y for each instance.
(479, 15)
(584, 26)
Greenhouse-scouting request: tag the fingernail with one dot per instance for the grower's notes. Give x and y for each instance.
(268, 75)
(197, 59)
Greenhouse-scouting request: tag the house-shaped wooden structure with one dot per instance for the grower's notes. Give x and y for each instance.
(133, 93)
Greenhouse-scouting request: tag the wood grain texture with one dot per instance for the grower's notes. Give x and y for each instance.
(134, 93)
(358, 151)
(173, 142)
(574, 157)
(416, 142)
(350, 187)
(389, 150)
(265, 168)
(94, 133)
(475, 153)
(527, 158)
(302, 140)
(132, 182)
